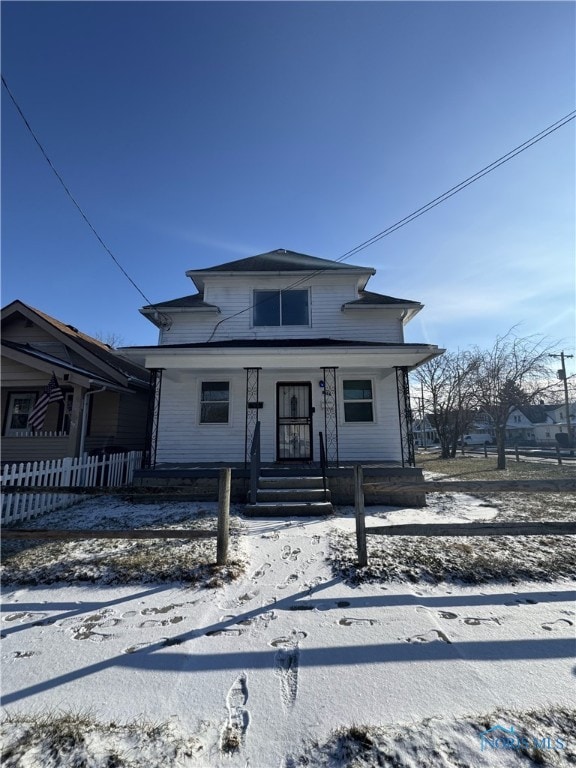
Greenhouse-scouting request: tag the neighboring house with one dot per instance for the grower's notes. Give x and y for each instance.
(425, 434)
(293, 342)
(105, 401)
(525, 421)
(539, 424)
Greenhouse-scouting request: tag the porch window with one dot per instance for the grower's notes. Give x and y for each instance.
(19, 406)
(358, 400)
(281, 308)
(214, 402)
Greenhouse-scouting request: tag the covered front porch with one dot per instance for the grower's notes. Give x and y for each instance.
(209, 398)
(199, 481)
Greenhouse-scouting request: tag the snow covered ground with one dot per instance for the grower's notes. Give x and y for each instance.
(272, 667)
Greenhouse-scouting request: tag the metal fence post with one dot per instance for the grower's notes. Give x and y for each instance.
(360, 519)
(223, 515)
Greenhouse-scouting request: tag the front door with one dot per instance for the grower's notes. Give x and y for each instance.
(294, 422)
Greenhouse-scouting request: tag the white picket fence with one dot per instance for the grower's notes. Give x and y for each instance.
(88, 471)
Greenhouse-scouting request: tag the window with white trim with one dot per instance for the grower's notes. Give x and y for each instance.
(272, 308)
(214, 402)
(358, 400)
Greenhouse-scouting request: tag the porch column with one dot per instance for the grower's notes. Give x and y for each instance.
(253, 404)
(405, 417)
(149, 453)
(75, 420)
(330, 401)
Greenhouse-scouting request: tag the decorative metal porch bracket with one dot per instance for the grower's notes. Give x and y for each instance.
(405, 417)
(330, 416)
(252, 405)
(149, 453)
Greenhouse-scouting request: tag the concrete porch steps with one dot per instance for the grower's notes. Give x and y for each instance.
(290, 494)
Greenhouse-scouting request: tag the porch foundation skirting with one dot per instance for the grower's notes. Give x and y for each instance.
(202, 483)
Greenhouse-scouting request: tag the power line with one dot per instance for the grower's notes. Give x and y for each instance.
(423, 209)
(362, 246)
(76, 204)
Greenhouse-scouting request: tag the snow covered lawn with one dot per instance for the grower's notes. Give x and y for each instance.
(288, 664)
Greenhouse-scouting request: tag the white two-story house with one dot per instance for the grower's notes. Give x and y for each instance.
(292, 342)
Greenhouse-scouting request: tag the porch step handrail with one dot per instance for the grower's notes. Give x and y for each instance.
(323, 463)
(255, 463)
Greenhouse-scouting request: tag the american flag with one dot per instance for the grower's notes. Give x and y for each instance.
(51, 394)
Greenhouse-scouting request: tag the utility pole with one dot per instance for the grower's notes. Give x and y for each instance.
(562, 376)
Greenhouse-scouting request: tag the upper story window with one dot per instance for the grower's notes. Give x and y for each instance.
(358, 400)
(281, 308)
(214, 402)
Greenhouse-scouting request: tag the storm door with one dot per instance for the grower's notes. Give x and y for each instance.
(294, 422)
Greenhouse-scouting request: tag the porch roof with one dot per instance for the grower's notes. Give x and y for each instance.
(283, 354)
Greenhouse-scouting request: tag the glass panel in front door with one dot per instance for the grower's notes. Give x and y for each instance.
(294, 428)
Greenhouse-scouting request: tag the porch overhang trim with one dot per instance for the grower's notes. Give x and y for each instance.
(286, 357)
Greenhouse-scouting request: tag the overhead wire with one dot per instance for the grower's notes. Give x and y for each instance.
(419, 211)
(76, 204)
(166, 320)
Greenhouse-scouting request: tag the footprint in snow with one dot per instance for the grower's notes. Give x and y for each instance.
(24, 616)
(139, 647)
(290, 580)
(163, 609)
(290, 554)
(260, 572)
(160, 622)
(233, 734)
(429, 637)
(286, 663)
(474, 621)
(559, 624)
(348, 622)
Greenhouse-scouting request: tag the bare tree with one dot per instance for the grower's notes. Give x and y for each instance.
(514, 372)
(446, 382)
(110, 338)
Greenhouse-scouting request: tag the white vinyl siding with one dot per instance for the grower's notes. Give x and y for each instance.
(327, 294)
(183, 438)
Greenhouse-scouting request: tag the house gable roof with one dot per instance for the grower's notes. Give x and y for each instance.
(536, 414)
(111, 365)
(280, 260)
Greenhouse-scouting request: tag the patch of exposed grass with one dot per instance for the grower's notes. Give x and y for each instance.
(516, 506)
(124, 561)
(464, 560)
(449, 743)
(478, 468)
(52, 740)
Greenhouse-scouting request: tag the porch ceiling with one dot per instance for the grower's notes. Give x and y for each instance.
(285, 358)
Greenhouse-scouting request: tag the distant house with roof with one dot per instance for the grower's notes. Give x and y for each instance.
(293, 343)
(538, 424)
(105, 396)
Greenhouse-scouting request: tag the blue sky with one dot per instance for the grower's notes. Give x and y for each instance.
(197, 133)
